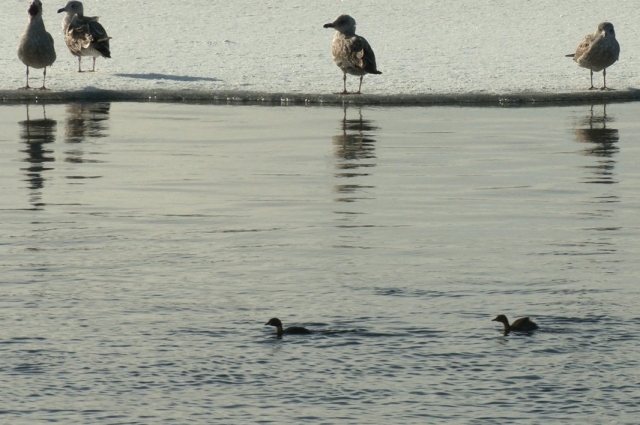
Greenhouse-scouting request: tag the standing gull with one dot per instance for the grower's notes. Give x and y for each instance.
(36, 44)
(83, 34)
(351, 53)
(598, 51)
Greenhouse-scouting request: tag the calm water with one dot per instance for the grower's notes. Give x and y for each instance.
(144, 246)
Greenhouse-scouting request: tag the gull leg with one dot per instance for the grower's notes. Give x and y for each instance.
(591, 88)
(79, 63)
(604, 80)
(27, 86)
(344, 84)
(360, 86)
(94, 64)
(44, 78)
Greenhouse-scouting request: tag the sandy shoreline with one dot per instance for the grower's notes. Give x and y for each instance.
(432, 48)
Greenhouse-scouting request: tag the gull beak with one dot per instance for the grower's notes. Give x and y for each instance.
(329, 25)
(62, 10)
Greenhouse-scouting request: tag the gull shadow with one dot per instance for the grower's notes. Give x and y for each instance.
(154, 76)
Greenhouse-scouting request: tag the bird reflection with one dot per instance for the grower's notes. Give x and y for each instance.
(599, 142)
(355, 150)
(602, 142)
(37, 134)
(85, 121)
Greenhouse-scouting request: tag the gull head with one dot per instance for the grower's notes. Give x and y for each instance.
(73, 8)
(606, 29)
(35, 8)
(344, 24)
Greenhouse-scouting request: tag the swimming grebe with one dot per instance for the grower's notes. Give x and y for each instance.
(293, 330)
(522, 324)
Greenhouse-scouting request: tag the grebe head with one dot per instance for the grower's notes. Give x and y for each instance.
(501, 318)
(274, 322)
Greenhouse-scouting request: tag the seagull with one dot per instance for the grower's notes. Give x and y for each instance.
(598, 51)
(351, 52)
(83, 34)
(36, 44)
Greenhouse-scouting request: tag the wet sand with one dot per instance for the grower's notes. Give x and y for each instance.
(223, 97)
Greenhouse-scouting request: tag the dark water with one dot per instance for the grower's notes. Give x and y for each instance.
(144, 246)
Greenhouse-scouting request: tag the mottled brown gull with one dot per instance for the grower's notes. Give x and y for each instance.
(598, 51)
(351, 52)
(36, 44)
(84, 35)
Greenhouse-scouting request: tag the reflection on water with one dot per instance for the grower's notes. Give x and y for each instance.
(85, 121)
(37, 134)
(602, 142)
(354, 149)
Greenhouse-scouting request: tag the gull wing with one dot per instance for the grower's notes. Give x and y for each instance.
(364, 56)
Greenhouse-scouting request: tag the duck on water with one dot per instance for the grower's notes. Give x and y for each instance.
(523, 324)
(293, 330)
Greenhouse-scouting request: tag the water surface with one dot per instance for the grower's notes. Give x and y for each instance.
(143, 247)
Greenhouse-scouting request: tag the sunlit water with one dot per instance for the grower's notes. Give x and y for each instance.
(144, 246)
